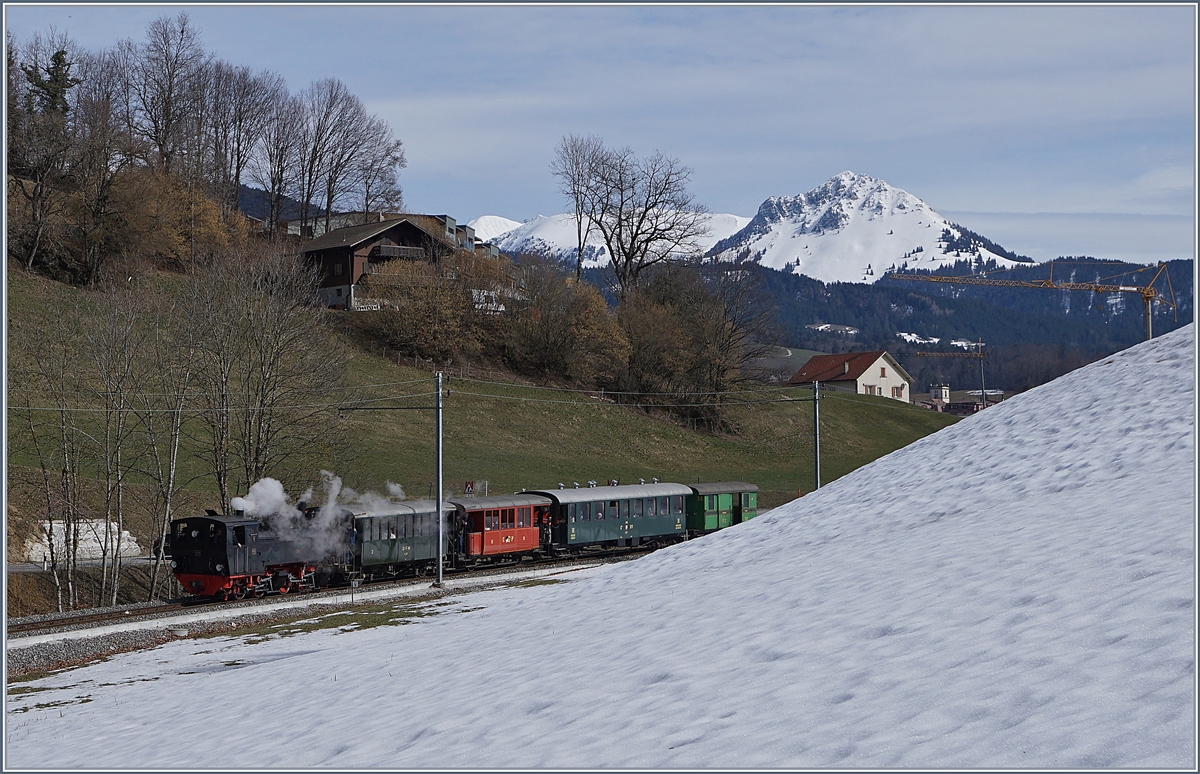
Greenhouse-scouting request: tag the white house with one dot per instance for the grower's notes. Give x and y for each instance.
(866, 373)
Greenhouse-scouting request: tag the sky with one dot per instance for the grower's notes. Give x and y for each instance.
(1009, 593)
(1040, 127)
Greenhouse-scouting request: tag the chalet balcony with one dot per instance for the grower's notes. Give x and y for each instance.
(387, 252)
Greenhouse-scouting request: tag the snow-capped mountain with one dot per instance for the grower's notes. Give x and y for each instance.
(489, 227)
(852, 228)
(554, 236)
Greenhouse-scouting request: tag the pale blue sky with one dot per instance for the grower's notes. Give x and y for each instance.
(1032, 125)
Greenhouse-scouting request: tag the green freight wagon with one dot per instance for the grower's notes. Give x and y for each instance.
(716, 506)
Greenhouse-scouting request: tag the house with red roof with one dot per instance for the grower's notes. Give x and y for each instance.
(866, 373)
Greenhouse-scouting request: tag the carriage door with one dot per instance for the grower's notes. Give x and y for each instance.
(239, 561)
(738, 500)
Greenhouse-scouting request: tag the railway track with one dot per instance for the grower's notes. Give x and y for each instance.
(69, 621)
(193, 603)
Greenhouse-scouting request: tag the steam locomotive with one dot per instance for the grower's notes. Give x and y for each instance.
(236, 556)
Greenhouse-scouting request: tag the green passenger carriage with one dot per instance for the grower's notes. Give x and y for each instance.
(628, 515)
(406, 534)
(720, 505)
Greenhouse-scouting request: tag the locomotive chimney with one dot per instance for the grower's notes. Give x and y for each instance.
(239, 512)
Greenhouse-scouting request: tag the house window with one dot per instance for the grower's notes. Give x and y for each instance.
(337, 269)
(882, 372)
(339, 292)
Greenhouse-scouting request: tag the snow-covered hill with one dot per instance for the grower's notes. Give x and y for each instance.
(555, 236)
(1015, 591)
(851, 228)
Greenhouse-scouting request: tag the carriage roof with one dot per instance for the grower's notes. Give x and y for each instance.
(723, 487)
(505, 501)
(626, 492)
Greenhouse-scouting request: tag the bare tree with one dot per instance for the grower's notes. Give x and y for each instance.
(351, 141)
(266, 370)
(46, 367)
(377, 170)
(164, 402)
(275, 163)
(240, 108)
(102, 150)
(575, 162)
(113, 343)
(325, 103)
(643, 210)
(163, 74)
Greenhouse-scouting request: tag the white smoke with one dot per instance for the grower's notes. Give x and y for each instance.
(265, 498)
(327, 527)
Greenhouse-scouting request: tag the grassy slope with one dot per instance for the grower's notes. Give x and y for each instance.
(515, 444)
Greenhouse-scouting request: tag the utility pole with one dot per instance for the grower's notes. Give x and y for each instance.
(437, 407)
(817, 432)
(982, 383)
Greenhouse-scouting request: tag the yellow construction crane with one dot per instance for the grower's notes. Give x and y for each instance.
(1148, 292)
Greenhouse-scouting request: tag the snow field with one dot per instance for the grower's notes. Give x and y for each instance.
(1017, 590)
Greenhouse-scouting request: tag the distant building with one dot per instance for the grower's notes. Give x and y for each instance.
(866, 373)
(348, 254)
(961, 402)
(841, 330)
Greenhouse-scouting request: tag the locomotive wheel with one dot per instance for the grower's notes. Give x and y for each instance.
(258, 592)
(284, 588)
(241, 593)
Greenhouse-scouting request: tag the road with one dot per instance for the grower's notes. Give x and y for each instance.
(37, 566)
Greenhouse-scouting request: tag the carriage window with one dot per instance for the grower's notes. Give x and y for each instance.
(612, 509)
(650, 509)
(524, 516)
(676, 505)
(571, 513)
(710, 502)
(392, 528)
(624, 509)
(508, 518)
(636, 509)
(598, 509)
(585, 511)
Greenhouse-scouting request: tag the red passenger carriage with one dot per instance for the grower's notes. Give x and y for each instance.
(501, 527)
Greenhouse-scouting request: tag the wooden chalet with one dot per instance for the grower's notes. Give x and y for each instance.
(348, 255)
